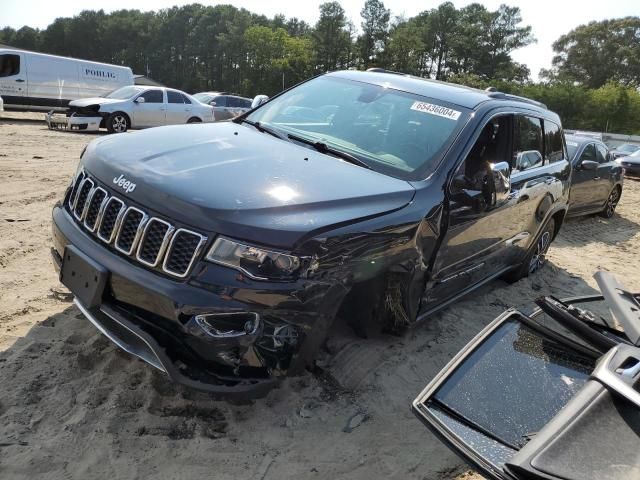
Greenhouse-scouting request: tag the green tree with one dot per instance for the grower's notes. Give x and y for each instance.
(331, 39)
(598, 52)
(375, 26)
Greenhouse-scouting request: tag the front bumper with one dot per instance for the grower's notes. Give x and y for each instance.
(152, 316)
(73, 122)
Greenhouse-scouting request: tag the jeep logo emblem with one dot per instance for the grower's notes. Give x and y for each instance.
(127, 185)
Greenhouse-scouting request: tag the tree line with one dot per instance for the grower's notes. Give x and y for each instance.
(592, 84)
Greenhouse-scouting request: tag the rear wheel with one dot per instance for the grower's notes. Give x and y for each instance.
(537, 255)
(118, 122)
(612, 203)
(194, 120)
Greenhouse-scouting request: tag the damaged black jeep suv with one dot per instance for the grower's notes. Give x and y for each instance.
(222, 253)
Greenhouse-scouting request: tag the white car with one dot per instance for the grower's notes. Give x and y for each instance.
(133, 107)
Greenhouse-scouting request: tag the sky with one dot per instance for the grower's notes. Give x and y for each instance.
(549, 19)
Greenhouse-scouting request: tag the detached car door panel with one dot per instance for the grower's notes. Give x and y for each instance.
(531, 399)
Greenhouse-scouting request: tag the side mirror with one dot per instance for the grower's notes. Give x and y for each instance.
(258, 100)
(139, 100)
(499, 184)
(588, 165)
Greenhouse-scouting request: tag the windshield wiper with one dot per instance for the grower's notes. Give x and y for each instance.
(324, 148)
(263, 128)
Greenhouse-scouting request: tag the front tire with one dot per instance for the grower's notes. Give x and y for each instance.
(537, 255)
(612, 202)
(118, 122)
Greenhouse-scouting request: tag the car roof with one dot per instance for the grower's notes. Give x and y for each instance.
(464, 96)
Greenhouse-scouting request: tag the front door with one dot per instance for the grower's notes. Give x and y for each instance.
(474, 246)
(152, 112)
(604, 178)
(13, 79)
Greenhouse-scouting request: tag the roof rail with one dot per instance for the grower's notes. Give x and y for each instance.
(516, 98)
(383, 70)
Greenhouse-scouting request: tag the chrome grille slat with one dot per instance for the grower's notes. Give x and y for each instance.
(169, 263)
(146, 248)
(130, 229)
(80, 202)
(151, 241)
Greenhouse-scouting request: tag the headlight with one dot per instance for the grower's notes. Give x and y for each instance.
(256, 262)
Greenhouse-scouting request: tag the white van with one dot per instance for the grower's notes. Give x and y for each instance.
(40, 82)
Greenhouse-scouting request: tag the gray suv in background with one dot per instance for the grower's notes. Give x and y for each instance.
(225, 105)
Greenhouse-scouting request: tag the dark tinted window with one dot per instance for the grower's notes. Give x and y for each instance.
(174, 97)
(233, 102)
(528, 143)
(185, 99)
(602, 154)
(245, 103)
(589, 153)
(514, 383)
(553, 147)
(9, 65)
(220, 101)
(153, 96)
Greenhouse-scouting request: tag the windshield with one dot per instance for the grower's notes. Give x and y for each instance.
(124, 93)
(628, 147)
(203, 97)
(394, 132)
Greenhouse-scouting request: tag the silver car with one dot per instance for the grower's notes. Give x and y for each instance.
(225, 105)
(137, 107)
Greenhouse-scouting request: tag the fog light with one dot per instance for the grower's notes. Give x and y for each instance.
(229, 325)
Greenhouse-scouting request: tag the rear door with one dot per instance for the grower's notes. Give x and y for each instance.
(177, 111)
(543, 397)
(583, 184)
(13, 79)
(151, 113)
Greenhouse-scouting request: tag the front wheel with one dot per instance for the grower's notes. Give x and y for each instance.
(612, 202)
(194, 120)
(118, 122)
(537, 255)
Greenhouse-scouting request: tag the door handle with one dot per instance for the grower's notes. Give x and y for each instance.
(596, 178)
(616, 379)
(523, 198)
(20, 80)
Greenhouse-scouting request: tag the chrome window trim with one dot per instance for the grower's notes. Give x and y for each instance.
(89, 202)
(84, 207)
(136, 238)
(163, 246)
(196, 252)
(115, 225)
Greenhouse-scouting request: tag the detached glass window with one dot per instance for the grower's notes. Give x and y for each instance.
(554, 149)
(9, 65)
(528, 143)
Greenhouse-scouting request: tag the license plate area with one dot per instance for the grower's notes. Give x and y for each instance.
(85, 278)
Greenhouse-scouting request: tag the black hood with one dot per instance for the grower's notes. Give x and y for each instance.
(231, 179)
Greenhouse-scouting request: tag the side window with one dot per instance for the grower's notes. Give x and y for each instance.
(589, 153)
(174, 97)
(153, 96)
(492, 146)
(9, 65)
(553, 146)
(221, 101)
(602, 154)
(185, 99)
(528, 143)
(246, 103)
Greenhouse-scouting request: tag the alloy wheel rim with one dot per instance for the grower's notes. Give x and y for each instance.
(540, 254)
(612, 203)
(119, 124)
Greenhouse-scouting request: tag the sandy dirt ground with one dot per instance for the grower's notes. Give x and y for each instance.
(73, 406)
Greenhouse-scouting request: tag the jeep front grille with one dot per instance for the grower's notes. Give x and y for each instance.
(152, 241)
